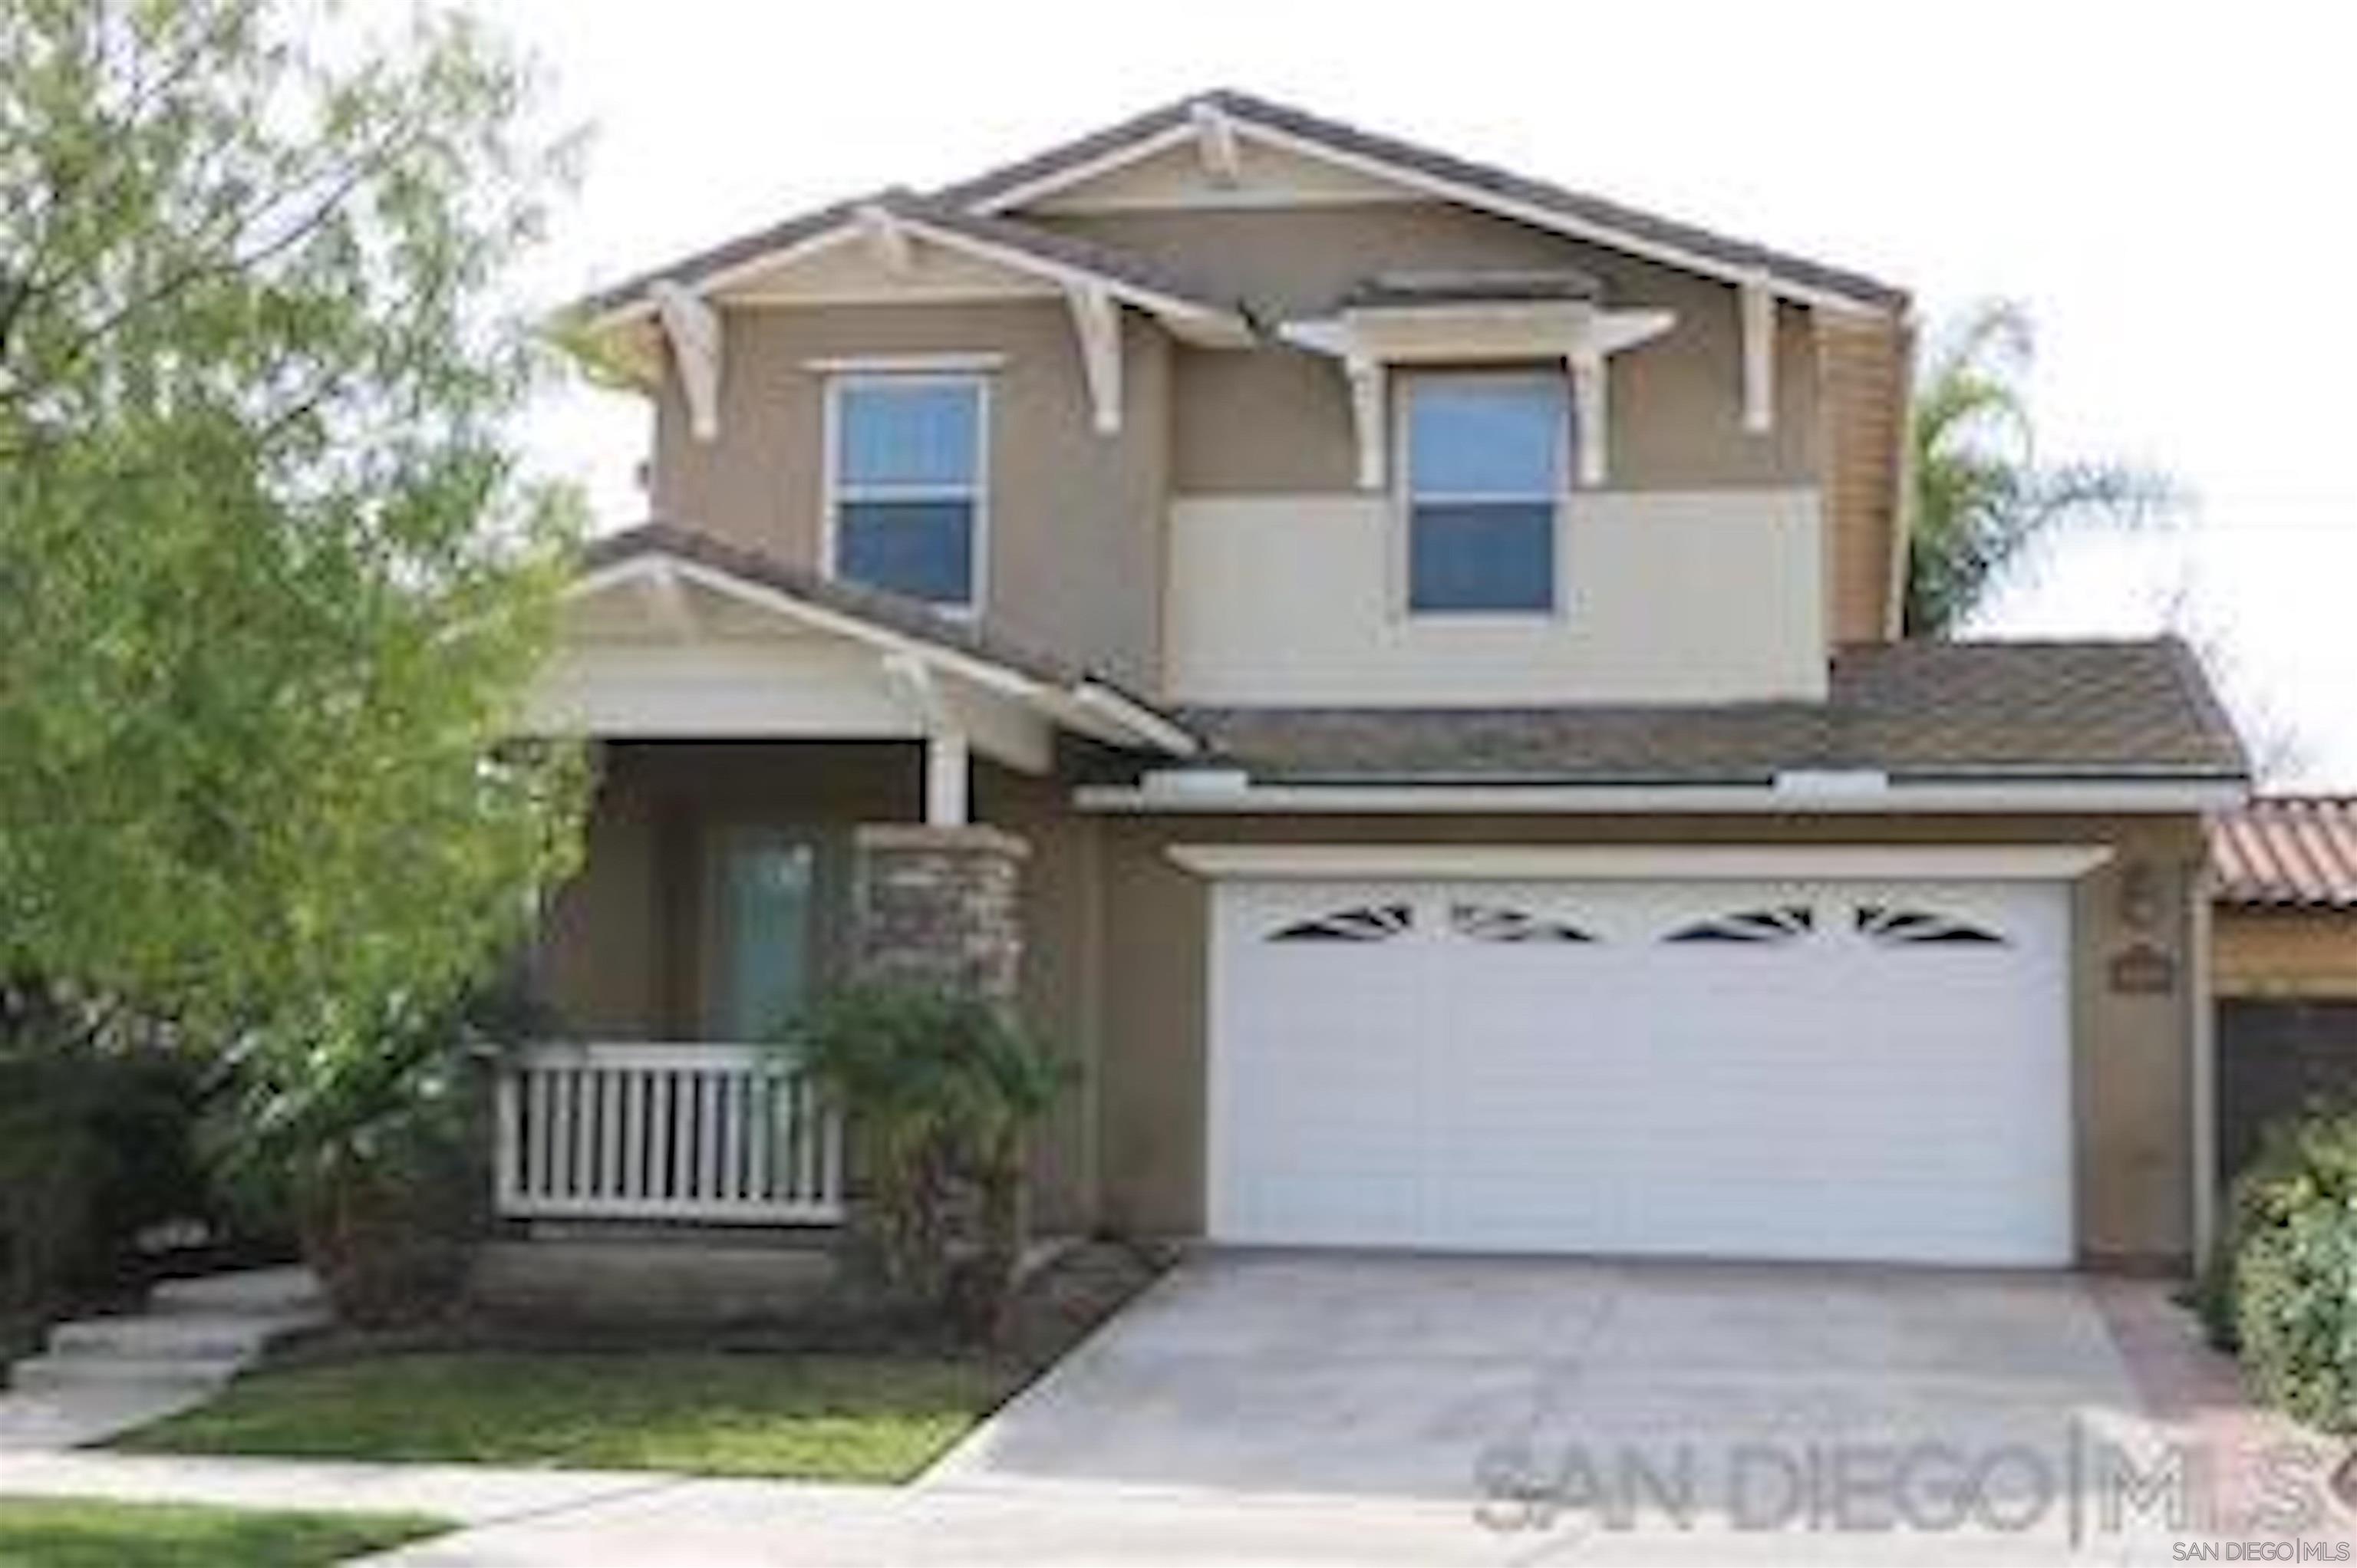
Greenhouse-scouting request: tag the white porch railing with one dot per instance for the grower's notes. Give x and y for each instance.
(712, 1134)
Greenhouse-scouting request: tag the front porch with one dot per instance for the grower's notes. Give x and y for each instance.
(799, 784)
(726, 884)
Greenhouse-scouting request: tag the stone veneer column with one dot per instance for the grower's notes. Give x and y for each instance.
(939, 906)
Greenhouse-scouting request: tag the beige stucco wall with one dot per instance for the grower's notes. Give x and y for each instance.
(1278, 421)
(1664, 597)
(1074, 518)
(1076, 550)
(623, 954)
(2133, 1052)
(2307, 953)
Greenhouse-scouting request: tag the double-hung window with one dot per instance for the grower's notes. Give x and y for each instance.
(1486, 458)
(907, 508)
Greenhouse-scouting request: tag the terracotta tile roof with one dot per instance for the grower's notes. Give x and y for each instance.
(2292, 852)
(1577, 205)
(1924, 711)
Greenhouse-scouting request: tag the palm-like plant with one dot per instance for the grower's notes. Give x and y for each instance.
(941, 1090)
(1982, 496)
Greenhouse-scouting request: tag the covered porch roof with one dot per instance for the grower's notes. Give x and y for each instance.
(670, 633)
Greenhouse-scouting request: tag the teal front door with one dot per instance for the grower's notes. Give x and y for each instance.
(765, 907)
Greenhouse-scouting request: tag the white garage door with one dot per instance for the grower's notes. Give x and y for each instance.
(1823, 1070)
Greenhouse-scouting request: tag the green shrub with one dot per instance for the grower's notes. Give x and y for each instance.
(96, 1147)
(939, 1090)
(2291, 1273)
(377, 1145)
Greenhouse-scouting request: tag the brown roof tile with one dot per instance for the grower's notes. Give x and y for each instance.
(1921, 710)
(2287, 852)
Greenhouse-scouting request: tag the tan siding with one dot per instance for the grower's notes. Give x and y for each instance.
(2287, 952)
(1864, 367)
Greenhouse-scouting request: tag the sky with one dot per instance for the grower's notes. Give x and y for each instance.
(2167, 187)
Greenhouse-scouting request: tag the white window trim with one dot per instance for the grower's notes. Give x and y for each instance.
(1403, 382)
(832, 488)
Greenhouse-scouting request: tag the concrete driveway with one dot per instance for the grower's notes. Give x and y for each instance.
(1420, 1411)
(1547, 1393)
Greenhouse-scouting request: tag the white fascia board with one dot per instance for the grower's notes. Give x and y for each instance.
(1134, 719)
(639, 568)
(2087, 796)
(1107, 162)
(1463, 194)
(1196, 321)
(1090, 707)
(1646, 863)
(1209, 325)
(1546, 217)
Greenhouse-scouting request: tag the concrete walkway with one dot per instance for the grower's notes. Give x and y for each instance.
(102, 1376)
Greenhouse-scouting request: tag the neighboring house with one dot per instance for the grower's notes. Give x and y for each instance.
(1392, 663)
(2286, 874)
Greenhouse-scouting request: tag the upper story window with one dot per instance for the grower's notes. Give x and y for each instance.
(1486, 458)
(907, 463)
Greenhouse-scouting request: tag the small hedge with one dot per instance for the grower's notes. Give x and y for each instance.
(2284, 1293)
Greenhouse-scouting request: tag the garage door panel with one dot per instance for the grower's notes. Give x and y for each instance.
(1770, 1069)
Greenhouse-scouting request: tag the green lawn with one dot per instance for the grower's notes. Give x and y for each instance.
(86, 1532)
(841, 1418)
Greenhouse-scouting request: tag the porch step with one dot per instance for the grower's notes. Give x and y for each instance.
(664, 1283)
(55, 1372)
(101, 1375)
(265, 1290)
(177, 1335)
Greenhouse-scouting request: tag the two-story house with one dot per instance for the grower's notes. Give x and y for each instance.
(1393, 664)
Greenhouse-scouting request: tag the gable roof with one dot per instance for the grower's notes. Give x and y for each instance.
(909, 620)
(1520, 197)
(974, 214)
(1920, 712)
(2287, 852)
(1151, 285)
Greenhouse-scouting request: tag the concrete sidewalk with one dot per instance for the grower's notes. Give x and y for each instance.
(467, 1494)
(516, 1518)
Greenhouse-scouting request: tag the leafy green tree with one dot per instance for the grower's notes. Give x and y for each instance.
(270, 577)
(1982, 496)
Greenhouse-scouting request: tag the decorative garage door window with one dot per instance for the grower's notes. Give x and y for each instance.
(1893, 927)
(1366, 923)
(1785, 923)
(1498, 923)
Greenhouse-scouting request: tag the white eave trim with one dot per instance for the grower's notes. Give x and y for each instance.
(1195, 321)
(1479, 198)
(1088, 706)
(1647, 862)
(1235, 795)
